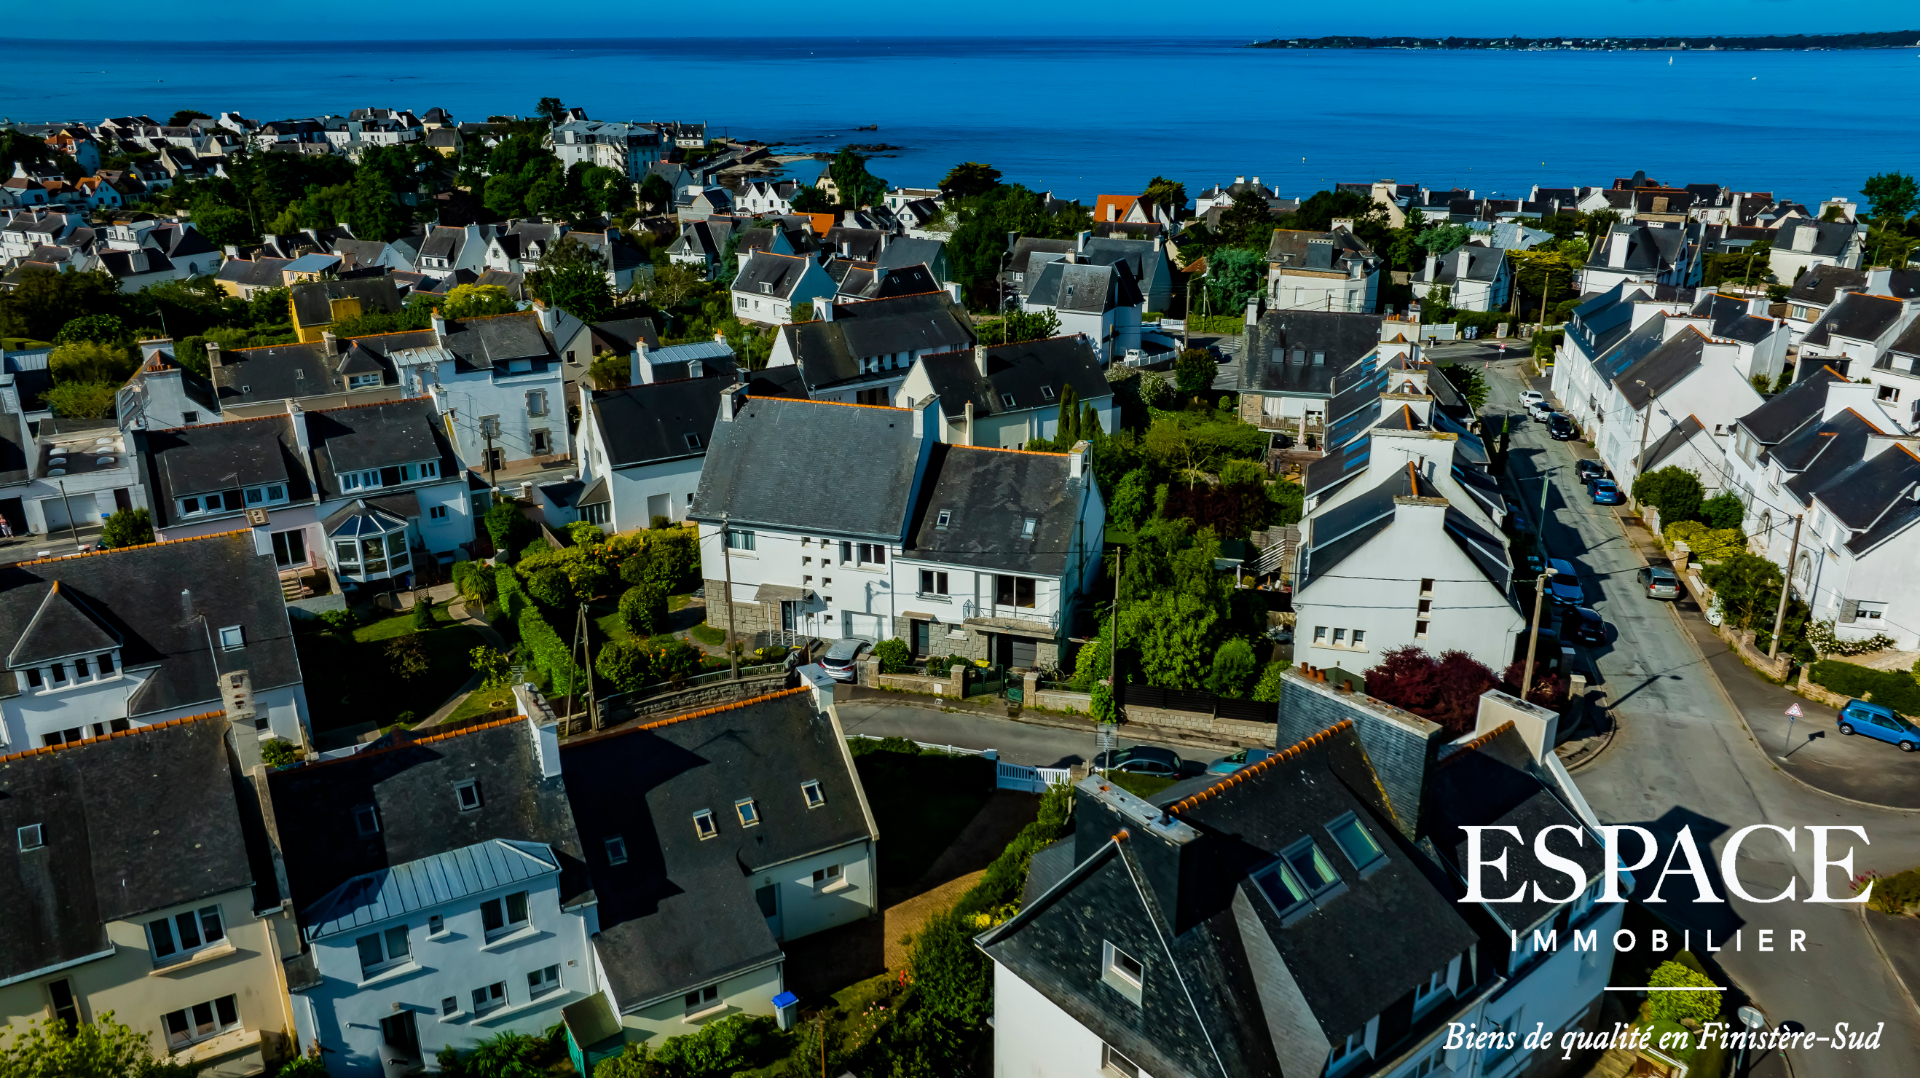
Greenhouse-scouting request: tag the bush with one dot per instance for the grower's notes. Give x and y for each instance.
(1888, 688)
(127, 527)
(1705, 542)
(635, 1062)
(1673, 490)
(105, 328)
(643, 610)
(91, 361)
(551, 587)
(475, 582)
(1675, 1007)
(81, 400)
(406, 657)
(738, 1042)
(1723, 510)
(508, 528)
(1445, 690)
(675, 660)
(633, 569)
(493, 667)
(584, 533)
(505, 1055)
(422, 616)
(1825, 641)
(339, 621)
(278, 752)
(301, 1067)
(1101, 704)
(894, 656)
(544, 649)
(1268, 689)
(513, 597)
(624, 663)
(1893, 894)
(1234, 669)
(537, 546)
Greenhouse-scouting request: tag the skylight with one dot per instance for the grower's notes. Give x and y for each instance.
(1026, 528)
(468, 793)
(703, 824)
(748, 811)
(1354, 841)
(616, 849)
(945, 518)
(810, 790)
(31, 837)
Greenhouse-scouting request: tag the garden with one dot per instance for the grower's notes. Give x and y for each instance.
(392, 671)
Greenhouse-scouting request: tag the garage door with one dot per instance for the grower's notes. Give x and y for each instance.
(1022, 652)
(55, 510)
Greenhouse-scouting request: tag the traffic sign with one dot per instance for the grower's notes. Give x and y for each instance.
(1794, 710)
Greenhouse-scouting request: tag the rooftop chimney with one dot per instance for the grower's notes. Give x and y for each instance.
(732, 399)
(639, 367)
(549, 318)
(1080, 241)
(439, 326)
(980, 358)
(1879, 281)
(926, 417)
(213, 354)
(823, 308)
(1077, 459)
(329, 344)
(1804, 236)
(1238, 180)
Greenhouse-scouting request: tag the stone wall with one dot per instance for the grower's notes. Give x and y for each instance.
(719, 692)
(748, 618)
(932, 686)
(1400, 745)
(1061, 700)
(1200, 724)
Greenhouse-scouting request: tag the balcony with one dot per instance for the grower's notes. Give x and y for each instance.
(1015, 618)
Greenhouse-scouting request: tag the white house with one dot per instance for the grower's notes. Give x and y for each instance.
(641, 447)
(134, 637)
(1007, 395)
(1099, 302)
(859, 352)
(989, 550)
(630, 148)
(1799, 245)
(1474, 278)
(1232, 926)
(440, 894)
(1644, 253)
(1290, 358)
(78, 473)
(769, 287)
(1322, 271)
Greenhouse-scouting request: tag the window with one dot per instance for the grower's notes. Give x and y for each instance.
(362, 381)
(1871, 611)
(437, 512)
(383, 950)
(749, 814)
(873, 554)
(1013, 590)
(33, 678)
(810, 790)
(536, 402)
(542, 442)
(346, 554)
(542, 981)
(1046, 392)
(1026, 528)
(59, 673)
(704, 826)
(490, 426)
(66, 1009)
(1339, 638)
(1351, 836)
(31, 837)
(1298, 879)
(1113, 1063)
(739, 540)
(489, 999)
(1359, 638)
(1426, 607)
(945, 518)
(467, 792)
(1122, 972)
(1344, 1052)
(703, 1000)
(366, 820)
(1426, 993)
(449, 1005)
(932, 583)
(693, 440)
(185, 933)
(232, 638)
(430, 470)
(1426, 586)
(826, 878)
(499, 916)
(616, 849)
(200, 1022)
(436, 925)
(1888, 393)
(1420, 629)
(1006, 399)
(1320, 634)
(189, 418)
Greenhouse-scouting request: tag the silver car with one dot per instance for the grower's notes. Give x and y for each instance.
(842, 659)
(1660, 582)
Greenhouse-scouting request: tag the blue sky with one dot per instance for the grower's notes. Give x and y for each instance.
(245, 19)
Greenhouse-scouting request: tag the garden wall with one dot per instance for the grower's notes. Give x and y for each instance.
(719, 692)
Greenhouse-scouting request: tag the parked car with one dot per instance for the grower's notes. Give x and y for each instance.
(1560, 425)
(841, 660)
(1141, 760)
(1565, 587)
(1584, 624)
(1875, 721)
(1589, 470)
(1534, 563)
(1660, 582)
(1531, 397)
(1607, 492)
(1227, 765)
(1539, 410)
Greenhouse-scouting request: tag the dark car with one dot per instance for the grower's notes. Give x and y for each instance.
(841, 659)
(1589, 470)
(1141, 760)
(1565, 587)
(1560, 425)
(1583, 623)
(1606, 492)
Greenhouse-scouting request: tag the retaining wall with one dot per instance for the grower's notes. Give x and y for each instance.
(719, 692)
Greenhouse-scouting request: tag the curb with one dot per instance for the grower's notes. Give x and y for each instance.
(1860, 911)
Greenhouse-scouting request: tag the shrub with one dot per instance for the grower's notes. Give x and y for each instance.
(1677, 1006)
(643, 610)
(422, 616)
(127, 527)
(635, 1062)
(537, 546)
(507, 527)
(1889, 688)
(737, 1042)
(493, 667)
(1893, 894)
(1821, 635)
(545, 650)
(1673, 490)
(1101, 703)
(406, 657)
(1267, 691)
(339, 621)
(91, 361)
(633, 569)
(624, 663)
(584, 533)
(278, 752)
(106, 328)
(894, 656)
(505, 1055)
(81, 400)
(476, 584)
(1722, 511)
(1445, 689)
(513, 597)
(1715, 543)
(551, 587)
(1234, 669)
(659, 520)
(301, 1067)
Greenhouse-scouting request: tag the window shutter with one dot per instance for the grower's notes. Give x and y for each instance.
(1849, 609)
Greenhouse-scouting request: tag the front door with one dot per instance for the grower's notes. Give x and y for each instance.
(789, 618)
(922, 639)
(659, 507)
(1021, 652)
(768, 898)
(290, 548)
(399, 1045)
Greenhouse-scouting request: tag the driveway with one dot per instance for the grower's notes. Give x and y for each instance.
(1682, 757)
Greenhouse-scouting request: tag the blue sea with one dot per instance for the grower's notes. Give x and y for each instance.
(1083, 117)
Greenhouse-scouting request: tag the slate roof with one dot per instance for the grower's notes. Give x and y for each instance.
(1794, 407)
(1483, 264)
(135, 596)
(212, 457)
(991, 493)
(380, 435)
(1293, 249)
(650, 423)
(904, 251)
(1676, 437)
(430, 881)
(1731, 320)
(262, 272)
(312, 300)
(1832, 242)
(494, 340)
(1815, 457)
(410, 786)
(1023, 260)
(680, 913)
(1343, 337)
(1651, 248)
(1019, 370)
(621, 336)
(760, 461)
(292, 371)
(829, 352)
(118, 841)
(1661, 368)
(1147, 264)
(1083, 287)
(1880, 492)
(1822, 282)
(1858, 316)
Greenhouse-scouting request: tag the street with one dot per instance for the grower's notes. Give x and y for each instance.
(1683, 758)
(1017, 742)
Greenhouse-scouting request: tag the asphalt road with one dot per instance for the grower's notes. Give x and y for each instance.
(1017, 742)
(1683, 758)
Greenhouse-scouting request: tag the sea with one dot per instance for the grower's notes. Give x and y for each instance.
(1081, 117)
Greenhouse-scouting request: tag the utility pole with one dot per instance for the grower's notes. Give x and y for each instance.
(586, 663)
(1786, 586)
(1540, 585)
(1640, 462)
(1186, 334)
(726, 558)
(71, 530)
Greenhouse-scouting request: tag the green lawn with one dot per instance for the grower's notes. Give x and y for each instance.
(923, 799)
(348, 682)
(1139, 785)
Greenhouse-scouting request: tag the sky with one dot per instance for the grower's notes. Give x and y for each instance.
(249, 19)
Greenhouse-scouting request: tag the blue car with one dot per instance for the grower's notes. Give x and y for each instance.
(1606, 492)
(1227, 765)
(1873, 720)
(1565, 589)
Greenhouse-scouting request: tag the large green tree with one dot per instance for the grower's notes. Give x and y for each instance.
(573, 277)
(977, 248)
(857, 186)
(1164, 192)
(1234, 275)
(970, 178)
(102, 1048)
(1891, 194)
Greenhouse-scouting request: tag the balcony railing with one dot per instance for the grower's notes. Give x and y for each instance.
(1018, 617)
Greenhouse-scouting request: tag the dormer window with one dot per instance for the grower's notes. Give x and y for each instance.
(766, 289)
(1006, 399)
(362, 381)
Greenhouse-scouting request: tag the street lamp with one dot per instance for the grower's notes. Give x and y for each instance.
(1540, 585)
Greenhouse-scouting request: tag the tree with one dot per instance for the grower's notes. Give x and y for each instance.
(1672, 1006)
(857, 186)
(1548, 689)
(1132, 500)
(1169, 193)
(675, 284)
(551, 110)
(1248, 222)
(506, 1055)
(493, 667)
(1024, 326)
(1068, 420)
(573, 278)
(375, 213)
(969, 178)
(406, 657)
(186, 116)
(475, 300)
(102, 1048)
(1234, 275)
(1194, 371)
(127, 527)
(1442, 239)
(1268, 690)
(1891, 194)
(1468, 382)
(507, 527)
(1673, 490)
(223, 225)
(643, 610)
(1445, 690)
(1234, 669)
(43, 300)
(1746, 587)
(811, 199)
(626, 663)
(81, 400)
(1175, 637)
(105, 328)
(657, 193)
(977, 247)
(1723, 510)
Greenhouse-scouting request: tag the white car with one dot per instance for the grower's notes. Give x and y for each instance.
(1540, 410)
(1531, 397)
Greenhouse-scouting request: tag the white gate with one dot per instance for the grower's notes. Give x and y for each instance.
(1033, 780)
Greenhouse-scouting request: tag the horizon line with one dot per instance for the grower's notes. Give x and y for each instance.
(498, 45)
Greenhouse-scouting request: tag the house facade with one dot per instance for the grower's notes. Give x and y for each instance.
(1005, 396)
(859, 352)
(1099, 302)
(769, 287)
(642, 447)
(1322, 271)
(1474, 278)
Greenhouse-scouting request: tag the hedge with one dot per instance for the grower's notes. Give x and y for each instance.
(1889, 688)
(541, 647)
(513, 597)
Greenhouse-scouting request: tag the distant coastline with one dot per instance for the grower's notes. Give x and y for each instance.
(1890, 39)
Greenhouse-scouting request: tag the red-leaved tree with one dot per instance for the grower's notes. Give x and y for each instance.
(1549, 689)
(1445, 690)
